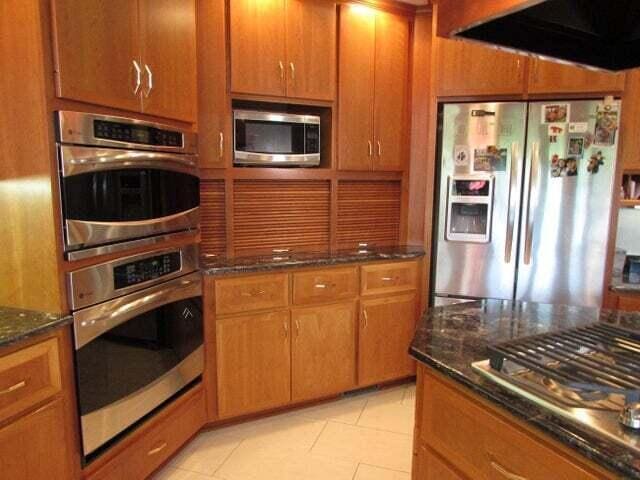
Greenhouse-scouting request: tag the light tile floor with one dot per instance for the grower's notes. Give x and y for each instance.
(367, 436)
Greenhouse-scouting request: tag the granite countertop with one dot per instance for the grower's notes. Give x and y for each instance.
(17, 324)
(450, 338)
(618, 285)
(220, 266)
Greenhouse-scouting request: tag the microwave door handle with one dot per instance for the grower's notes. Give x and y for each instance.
(92, 322)
(513, 168)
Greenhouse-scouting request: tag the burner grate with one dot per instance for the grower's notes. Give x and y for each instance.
(598, 358)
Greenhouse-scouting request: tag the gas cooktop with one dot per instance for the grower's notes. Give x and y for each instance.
(588, 375)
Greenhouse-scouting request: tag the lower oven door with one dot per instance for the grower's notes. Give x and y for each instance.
(111, 195)
(135, 352)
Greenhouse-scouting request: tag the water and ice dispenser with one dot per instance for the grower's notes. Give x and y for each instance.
(470, 208)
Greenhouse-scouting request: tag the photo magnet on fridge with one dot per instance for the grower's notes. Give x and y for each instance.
(564, 167)
(595, 162)
(461, 156)
(578, 127)
(555, 131)
(576, 147)
(490, 159)
(606, 125)
(555, 113)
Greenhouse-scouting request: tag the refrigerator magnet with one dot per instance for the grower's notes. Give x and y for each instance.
(576, 147)
(595, 162)
(606, 125)
(490, 159)
(461, 156)
(555, 113)
(564, 167)
(555, 131)
(578, 127)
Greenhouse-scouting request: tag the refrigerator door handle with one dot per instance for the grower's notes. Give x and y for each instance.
(511, 201)
(534, 172)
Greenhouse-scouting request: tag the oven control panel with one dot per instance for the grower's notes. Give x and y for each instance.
(134, 133)
(146, 269)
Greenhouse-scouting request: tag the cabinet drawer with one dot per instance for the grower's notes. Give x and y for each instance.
(389, 278)
(325, 285)
(483, 444)
(28, 377)
(162, 440)
(246, 294)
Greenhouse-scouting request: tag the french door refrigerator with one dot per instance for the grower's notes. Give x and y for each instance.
(524, 200)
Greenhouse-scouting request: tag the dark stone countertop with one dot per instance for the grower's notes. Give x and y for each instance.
(450, 338)
(219, 266)
(618, 285)
(17, 324)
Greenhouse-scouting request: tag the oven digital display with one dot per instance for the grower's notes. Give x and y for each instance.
(144, 270)
(132, 133)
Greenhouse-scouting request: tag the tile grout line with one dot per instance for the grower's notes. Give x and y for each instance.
(382, 468)
(227, 457)
(319, 435)
(355, 474)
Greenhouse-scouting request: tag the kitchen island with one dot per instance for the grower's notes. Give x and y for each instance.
(470, 427)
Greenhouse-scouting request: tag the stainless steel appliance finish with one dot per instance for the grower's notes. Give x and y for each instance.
(95, 284)
(275, 140)
(587, 375)
(548, 234)
(137, 350)
(79, 128)
(124, 179)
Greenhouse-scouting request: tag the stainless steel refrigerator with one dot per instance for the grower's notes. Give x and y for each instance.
(524, 200)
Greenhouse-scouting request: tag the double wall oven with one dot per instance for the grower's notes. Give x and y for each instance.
(124, 182)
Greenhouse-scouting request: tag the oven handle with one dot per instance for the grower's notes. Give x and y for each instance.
(78, 160)
(92, 322)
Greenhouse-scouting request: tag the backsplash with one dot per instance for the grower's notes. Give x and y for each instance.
(628, 236)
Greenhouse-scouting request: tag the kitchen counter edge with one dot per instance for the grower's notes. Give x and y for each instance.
(17, 324)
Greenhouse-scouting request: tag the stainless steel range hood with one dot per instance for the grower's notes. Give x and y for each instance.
(598, 33)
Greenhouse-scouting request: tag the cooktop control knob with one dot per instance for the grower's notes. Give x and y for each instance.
(630, 416)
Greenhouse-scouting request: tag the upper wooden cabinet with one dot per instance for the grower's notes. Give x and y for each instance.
(283, 48)
(553, 77)
(132, 55)
(466, 68)
(373, 83)
(630, 144)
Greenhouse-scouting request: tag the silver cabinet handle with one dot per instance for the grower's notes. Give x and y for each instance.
(136, 67)
(149, 81)
(365, 317)
(286, 329)
(320, 285)
(387, 279)
(253, 294)
(513, 176)
(379, 149)
(281, 69)
(221, 146)
(370, 148)
(504, 472)
(293, 70)
(281, 250)
(13, 388)
(529, 223)
(297, 328)
(158, 449)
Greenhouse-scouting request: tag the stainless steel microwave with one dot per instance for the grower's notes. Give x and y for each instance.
(276, 139)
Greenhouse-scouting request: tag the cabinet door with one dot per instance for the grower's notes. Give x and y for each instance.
(386, 330)
(311, 49)
(465, 68)
(95, 50)
(254, 363)
(552, 77)
(214, 105)
(35, 446)
(168, 29)
(258, 53)
(391, 81)
(630, 145)
(324, 351)
(629, 303)
(356, 84)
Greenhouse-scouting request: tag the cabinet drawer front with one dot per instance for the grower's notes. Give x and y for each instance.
(162, 440)
(325, 285)
(389, 278)
(28, 377)
(246, 294)
(483, 444)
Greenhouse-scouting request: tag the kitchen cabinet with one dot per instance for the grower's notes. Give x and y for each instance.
(34, 446)
(373, 81)
(323, 353)
(254, 362)
(553, 77)
(132, 55)
(629, 303)
(464, 68)
(214, 104)
(429, 466)
(630, 122)
(387, 326)
(321, 286)
(283, 48)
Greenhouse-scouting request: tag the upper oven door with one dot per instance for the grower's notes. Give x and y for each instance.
(263, 137)
(110, 195)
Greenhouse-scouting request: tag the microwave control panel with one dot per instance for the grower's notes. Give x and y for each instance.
(139, 134)
(147, 269)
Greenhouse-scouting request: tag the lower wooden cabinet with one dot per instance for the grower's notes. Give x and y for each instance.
(387, 326)
(323, 353)
(629, 303)
(429, 467)
(254, 362)
(34, 446)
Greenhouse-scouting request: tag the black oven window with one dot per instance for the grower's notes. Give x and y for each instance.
(132, 355)
(129, 195)
(282, 138)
